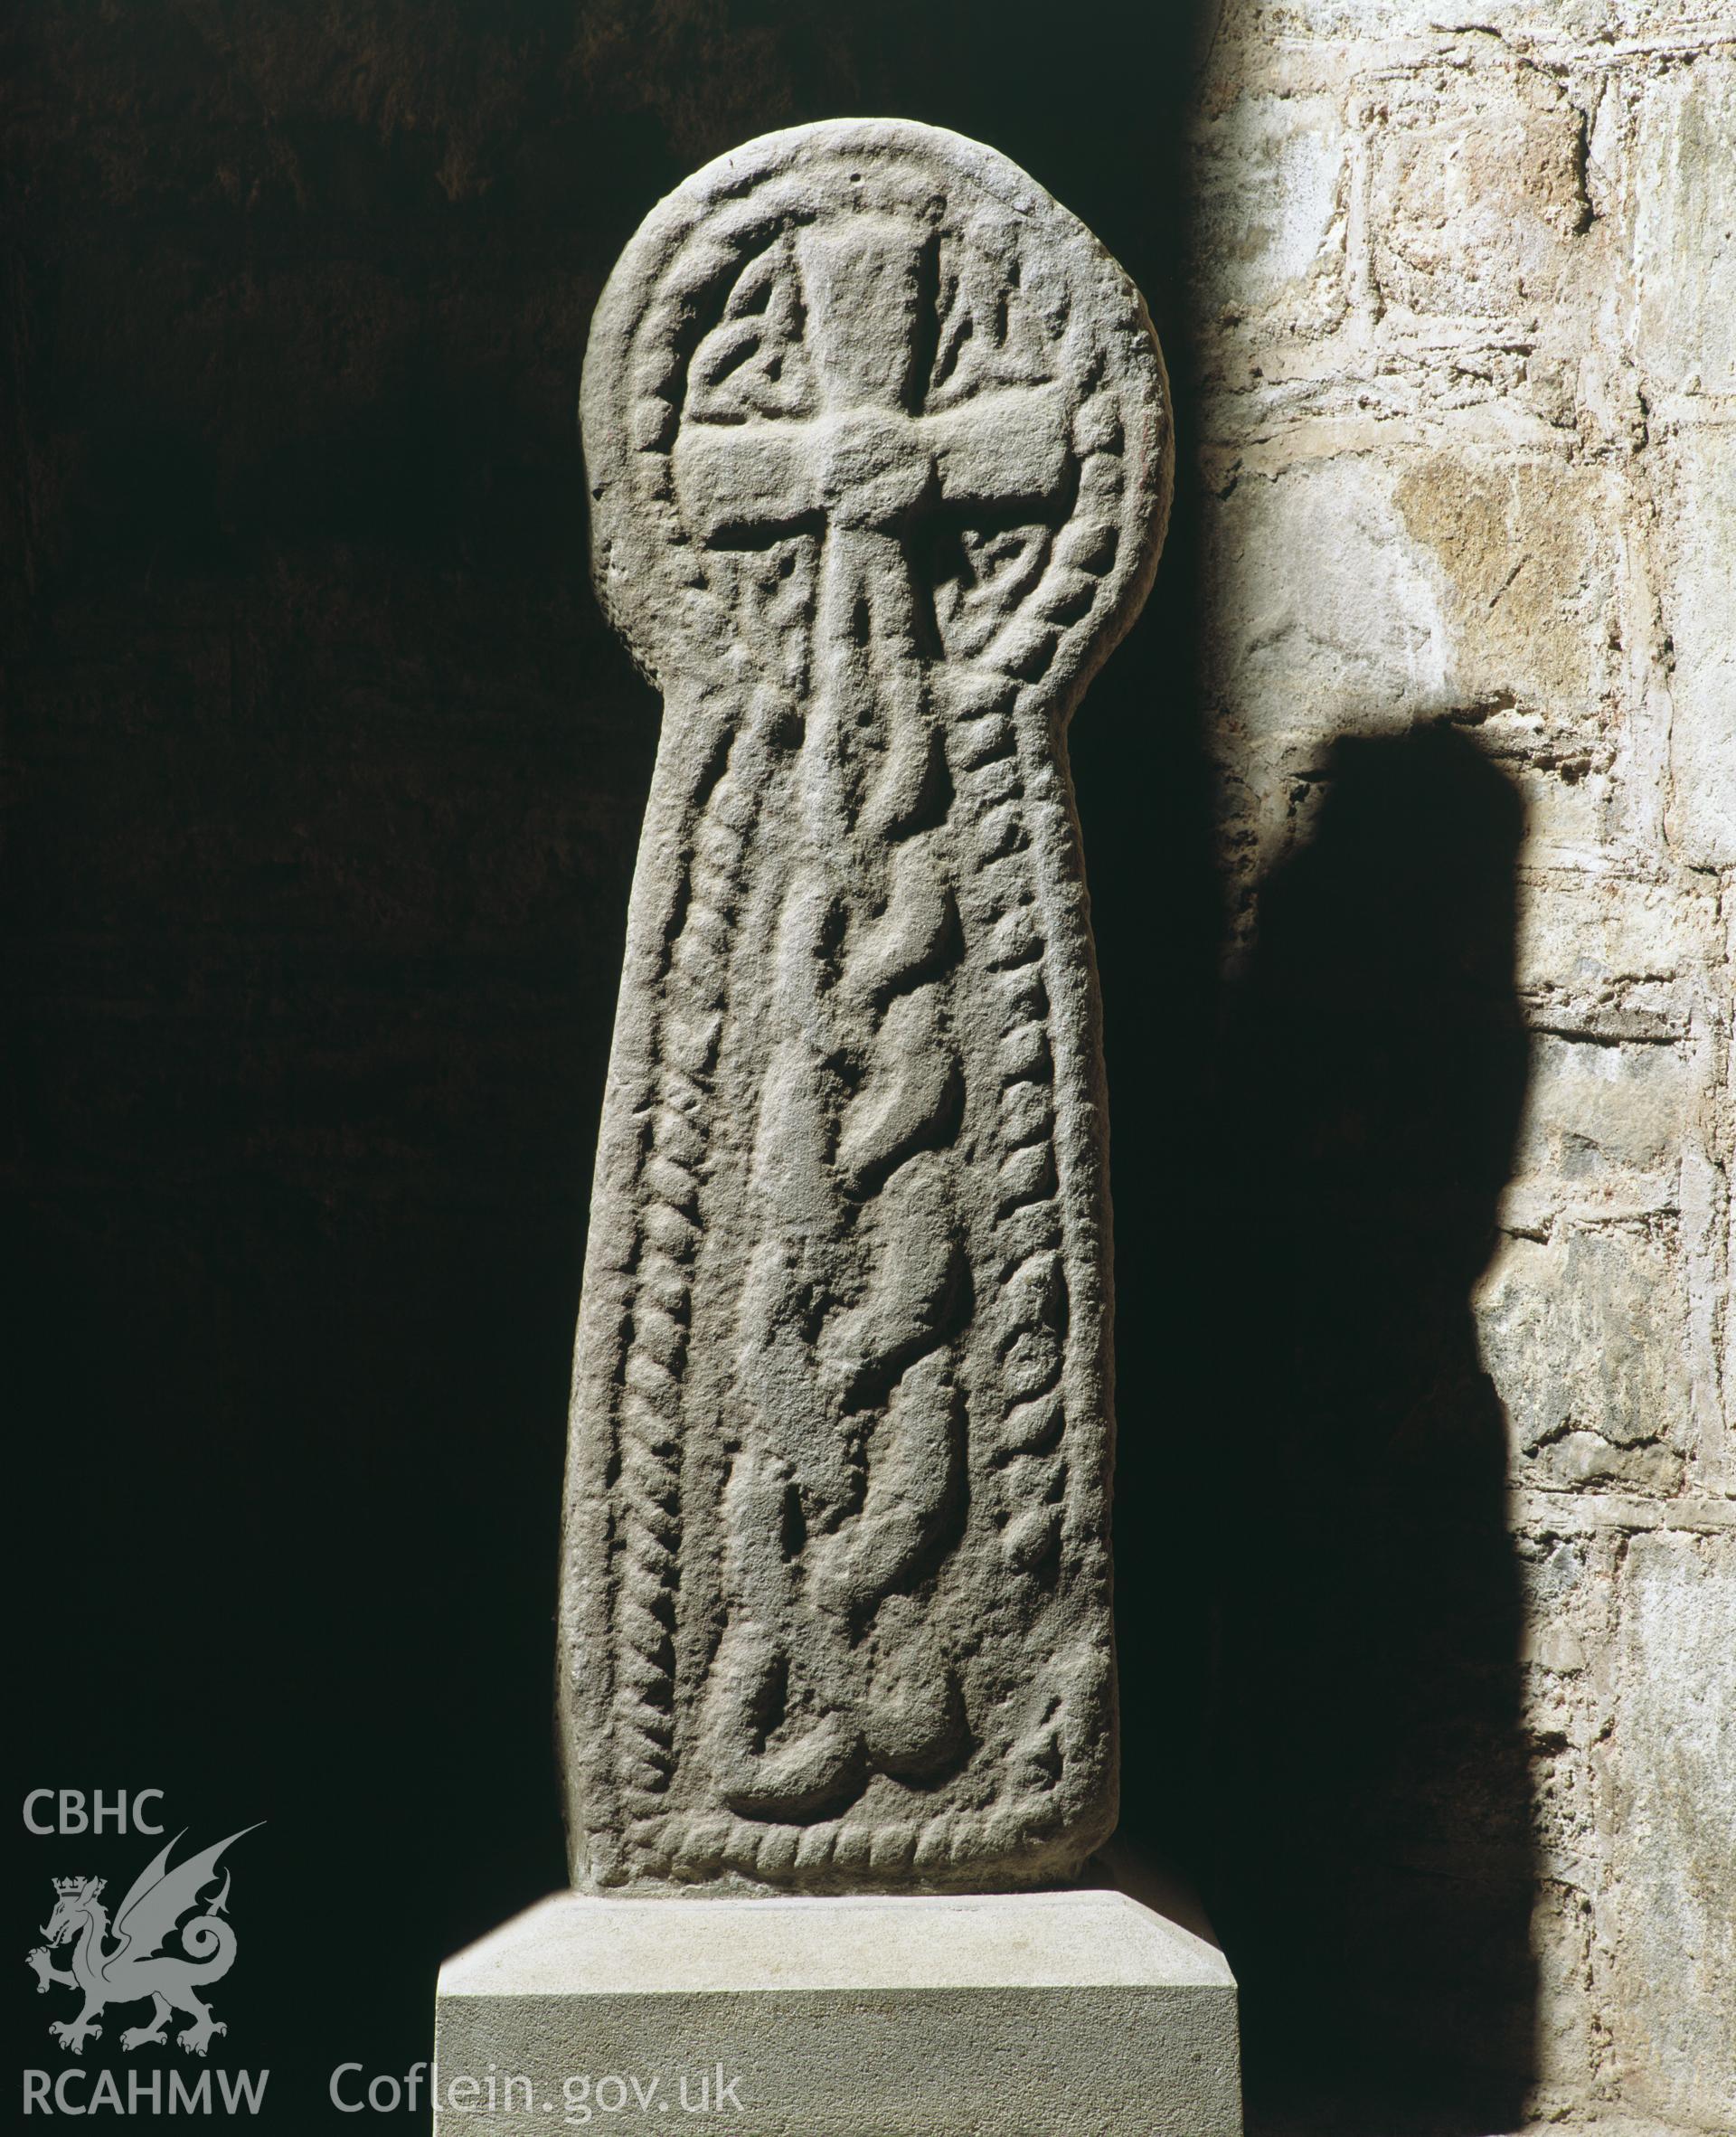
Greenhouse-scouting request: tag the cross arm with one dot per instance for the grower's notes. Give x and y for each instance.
(740, 481)
(1007, 447)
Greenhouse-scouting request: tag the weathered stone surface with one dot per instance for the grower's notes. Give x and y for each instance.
(1684, 209)
(1701, 553)
(1668, 1919)
(1613, 955)
(1598, 1114)
(1272, 177)
(915, 2016)
(1329, 615)
(1480, 199)
(1524, 554)
(878, 445)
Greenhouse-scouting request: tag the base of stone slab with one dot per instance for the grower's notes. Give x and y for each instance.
(1052, 2014)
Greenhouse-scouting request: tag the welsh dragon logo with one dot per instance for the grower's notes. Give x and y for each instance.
(137, 1966)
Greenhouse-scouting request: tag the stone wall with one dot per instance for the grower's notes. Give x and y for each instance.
(1465, 295)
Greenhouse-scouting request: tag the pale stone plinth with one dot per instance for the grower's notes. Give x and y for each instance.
(1054, 2014)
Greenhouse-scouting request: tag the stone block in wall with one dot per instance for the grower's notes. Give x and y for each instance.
(1665, 1921)
(1476, 181)
(1586, 1334)
(1562, 1628)
(1564, 1569)
(1566, 2041)
(1328, 617)
(1524, 552)
(1358, 589)
(1697, 543)
(1605, 1123)
(1619, 957)
(1682, 192)
(1359, 592)
(1270, 240)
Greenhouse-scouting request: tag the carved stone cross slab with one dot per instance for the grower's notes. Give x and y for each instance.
(878, 443)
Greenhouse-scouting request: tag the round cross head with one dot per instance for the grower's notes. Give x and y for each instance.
(873, 468)
(837, 328)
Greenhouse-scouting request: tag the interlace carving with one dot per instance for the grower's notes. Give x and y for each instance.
(879, 455)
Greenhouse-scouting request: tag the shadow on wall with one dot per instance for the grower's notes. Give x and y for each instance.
(1371, 1866)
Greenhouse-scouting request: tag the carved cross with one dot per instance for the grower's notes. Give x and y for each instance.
(864, 466)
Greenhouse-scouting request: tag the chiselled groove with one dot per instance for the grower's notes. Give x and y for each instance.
(656, 1357)
(876, 443)
(1028, 1228)
(692, 1851)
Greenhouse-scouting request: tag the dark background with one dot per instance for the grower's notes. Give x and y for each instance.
(323, 783)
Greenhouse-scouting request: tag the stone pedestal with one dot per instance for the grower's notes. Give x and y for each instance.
(1053, 2014)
